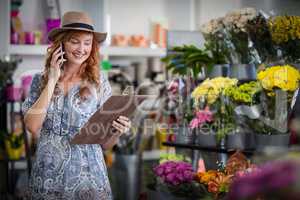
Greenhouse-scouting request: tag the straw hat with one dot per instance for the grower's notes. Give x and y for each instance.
(74, 20)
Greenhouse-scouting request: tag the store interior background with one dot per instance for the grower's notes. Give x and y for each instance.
(141, 66)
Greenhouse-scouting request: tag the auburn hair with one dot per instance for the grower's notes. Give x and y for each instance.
(89, 70)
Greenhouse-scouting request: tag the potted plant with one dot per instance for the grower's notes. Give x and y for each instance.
(187, 60)
(279, 84)
(245, 102)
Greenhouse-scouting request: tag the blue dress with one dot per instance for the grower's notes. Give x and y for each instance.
(62, 170)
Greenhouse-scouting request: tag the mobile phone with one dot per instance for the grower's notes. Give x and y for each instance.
(61, 51)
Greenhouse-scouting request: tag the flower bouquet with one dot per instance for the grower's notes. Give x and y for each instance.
(285, 32)
(235, 23)
(218, 182)
(216, 41)
(279, 84)
(245, 98)
(260, 34)
(177, 179)
(211, 93)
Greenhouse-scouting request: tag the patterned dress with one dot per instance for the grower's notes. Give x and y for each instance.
(62, 170)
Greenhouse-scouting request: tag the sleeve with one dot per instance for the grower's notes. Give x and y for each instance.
(105, 90)
(34, 93)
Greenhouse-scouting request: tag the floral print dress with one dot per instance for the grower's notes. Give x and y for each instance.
(62, 170)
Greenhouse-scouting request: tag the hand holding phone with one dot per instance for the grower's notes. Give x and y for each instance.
(56, 63)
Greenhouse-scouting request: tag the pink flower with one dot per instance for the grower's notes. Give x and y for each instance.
(201, 117)
(173, 87)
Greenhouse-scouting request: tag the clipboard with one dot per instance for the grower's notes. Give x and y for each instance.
(97, 130)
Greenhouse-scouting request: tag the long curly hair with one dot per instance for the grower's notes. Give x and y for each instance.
(89, 70)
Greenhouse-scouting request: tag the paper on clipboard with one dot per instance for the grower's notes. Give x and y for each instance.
(97, 130)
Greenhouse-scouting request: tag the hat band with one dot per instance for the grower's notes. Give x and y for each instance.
(79, 25)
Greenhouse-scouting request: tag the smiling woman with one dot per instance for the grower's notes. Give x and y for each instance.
(61, 100)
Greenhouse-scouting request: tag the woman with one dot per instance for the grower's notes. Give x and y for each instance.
(61, 100)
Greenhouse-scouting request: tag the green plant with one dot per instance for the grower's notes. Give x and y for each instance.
(187, 60)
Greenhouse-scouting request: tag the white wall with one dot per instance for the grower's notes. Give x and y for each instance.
(135, 16)
(209, 9)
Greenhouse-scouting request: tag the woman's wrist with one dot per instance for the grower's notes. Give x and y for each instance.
(50, 87)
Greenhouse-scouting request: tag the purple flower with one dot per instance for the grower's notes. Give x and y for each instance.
(175, 172)
(270, 178)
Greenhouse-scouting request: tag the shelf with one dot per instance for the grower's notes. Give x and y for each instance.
(153, 154)
(133, 51)
(40, 50)
(208, 149)
(27, 50)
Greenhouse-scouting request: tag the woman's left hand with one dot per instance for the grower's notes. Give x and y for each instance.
(122, 125)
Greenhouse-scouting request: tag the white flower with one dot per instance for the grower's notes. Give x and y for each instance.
(213, 26)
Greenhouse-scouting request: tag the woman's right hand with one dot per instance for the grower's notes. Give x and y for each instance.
(55, 64)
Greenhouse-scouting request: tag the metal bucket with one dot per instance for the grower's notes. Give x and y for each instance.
(243, 72)
(219, 70)
(277, 140)
(127, 169)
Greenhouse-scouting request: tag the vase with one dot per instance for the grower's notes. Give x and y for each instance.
(206, 138)
(243, 72)
(127, 170)
(240, 141)
(184, 135)
(277, 140)
(219, 70)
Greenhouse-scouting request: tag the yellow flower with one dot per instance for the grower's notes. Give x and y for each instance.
(284, 77)
(285, 28)
(210, 89)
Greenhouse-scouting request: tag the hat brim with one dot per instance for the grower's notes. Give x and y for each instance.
(54, 32)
